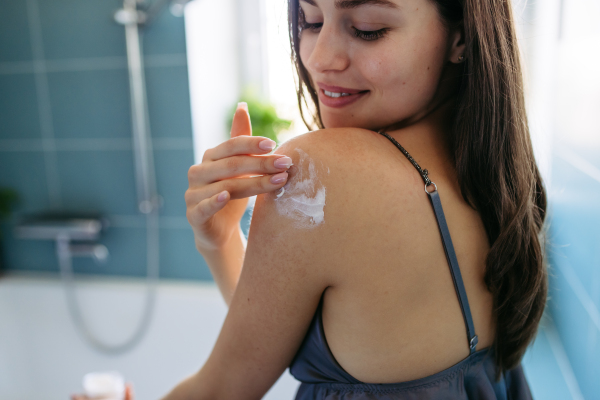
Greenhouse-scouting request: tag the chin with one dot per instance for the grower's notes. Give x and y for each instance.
(345, 120)
(340, 120)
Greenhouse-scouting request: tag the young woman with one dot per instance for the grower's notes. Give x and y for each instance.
(350, 275)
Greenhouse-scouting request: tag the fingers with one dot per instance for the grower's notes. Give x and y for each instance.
(199, 214)
(204, 202)
(239, 145)
(237, 166)
(242, 141)
(241, 121)
(128, 391)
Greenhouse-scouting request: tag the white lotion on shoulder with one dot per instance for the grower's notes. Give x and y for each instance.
(302, 198)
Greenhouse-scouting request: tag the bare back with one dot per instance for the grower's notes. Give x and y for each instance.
(392, 313)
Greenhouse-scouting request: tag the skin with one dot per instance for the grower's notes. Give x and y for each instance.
(408, 72)
(390, 311)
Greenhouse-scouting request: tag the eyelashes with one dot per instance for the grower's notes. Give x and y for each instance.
(370, 35)
(364, 35)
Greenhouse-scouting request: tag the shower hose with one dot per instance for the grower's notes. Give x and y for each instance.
(131, 18)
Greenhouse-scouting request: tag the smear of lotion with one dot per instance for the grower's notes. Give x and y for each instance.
(302, 198)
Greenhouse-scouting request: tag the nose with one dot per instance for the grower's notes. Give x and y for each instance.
(329, 52)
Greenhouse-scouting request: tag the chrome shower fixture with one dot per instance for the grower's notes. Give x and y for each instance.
(137, 12)
(64, 229)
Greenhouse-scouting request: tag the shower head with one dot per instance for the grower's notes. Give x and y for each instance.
(130, 14)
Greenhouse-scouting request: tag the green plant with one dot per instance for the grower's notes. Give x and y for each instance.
(263, 116)
(8, 198)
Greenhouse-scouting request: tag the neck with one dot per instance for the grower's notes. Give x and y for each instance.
(427, 139)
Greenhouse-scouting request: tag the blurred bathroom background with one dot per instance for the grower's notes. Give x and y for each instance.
(131, 293)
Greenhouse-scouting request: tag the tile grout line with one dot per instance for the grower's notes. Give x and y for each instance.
(91, 64)
(138, 221)
(91, 144)
(44, 106)
(560, 355)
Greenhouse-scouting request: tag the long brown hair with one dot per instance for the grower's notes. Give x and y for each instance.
(493, 156)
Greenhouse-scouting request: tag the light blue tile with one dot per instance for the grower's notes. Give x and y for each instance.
(589, 382)
(573, 324)
(589, 152)
(574, 216)
(74, 28)
(127, 254)
(179, 258)
(25, 172)
(171, 174)
(569, 184)
(90, 104)
(543, 372)
(14, 31)
(101, 181)
(246, 220)
(165, 35)
(27, 255)
(169, 102)
(19, 116)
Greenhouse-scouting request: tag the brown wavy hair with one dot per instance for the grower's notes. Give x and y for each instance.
(494, 160)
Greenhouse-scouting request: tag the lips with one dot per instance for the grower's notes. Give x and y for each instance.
(349, 96)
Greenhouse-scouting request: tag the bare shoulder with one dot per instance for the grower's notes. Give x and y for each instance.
(339, 142)
(346, 185)
(346, 156)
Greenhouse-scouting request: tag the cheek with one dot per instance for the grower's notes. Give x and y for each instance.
(307, 44)
(406, 72)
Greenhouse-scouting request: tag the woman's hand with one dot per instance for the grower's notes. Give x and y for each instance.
(225, 172)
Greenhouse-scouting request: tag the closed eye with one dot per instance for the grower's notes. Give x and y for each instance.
(365, 35)
(312, 27)
(370, 35)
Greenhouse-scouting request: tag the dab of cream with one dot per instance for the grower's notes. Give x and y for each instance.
(302, 198)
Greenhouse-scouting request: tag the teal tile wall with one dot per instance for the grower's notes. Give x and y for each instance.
(90, 104)
(171, 183)
(98, 180)
(16, 92)
(25, 172)
(65, 132)
(14, 32)
(168, 102)
(574, 261)
(80, 29)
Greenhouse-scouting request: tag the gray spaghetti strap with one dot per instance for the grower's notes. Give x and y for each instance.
(448, 247)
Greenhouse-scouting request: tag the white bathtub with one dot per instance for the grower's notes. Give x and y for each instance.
(42, 357)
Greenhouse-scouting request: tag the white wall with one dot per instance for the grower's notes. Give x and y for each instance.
(213, 64)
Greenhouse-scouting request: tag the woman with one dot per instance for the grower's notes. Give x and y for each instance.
(347, 277)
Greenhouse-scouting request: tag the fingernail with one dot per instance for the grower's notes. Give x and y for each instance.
(279, 177)
(242, 104)
(283, 162)
(267, 144)
(222, 196)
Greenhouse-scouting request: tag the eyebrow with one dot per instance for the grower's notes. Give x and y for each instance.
(348, 4)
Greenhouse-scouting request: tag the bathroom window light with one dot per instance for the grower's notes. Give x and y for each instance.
(251, 50)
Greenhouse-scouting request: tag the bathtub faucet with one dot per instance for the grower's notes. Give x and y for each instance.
(64, 230)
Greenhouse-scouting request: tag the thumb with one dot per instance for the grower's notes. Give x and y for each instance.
(128, 391)
(241, 121)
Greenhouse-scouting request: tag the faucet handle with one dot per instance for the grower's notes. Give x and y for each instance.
(98, 252)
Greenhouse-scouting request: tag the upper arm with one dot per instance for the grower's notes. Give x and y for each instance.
(279, 288)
